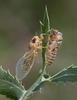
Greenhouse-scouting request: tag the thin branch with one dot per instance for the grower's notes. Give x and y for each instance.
(45, 27)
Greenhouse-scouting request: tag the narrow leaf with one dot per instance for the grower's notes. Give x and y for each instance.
(66, 75)
(45, 27)
(46, 23)
(9, 86)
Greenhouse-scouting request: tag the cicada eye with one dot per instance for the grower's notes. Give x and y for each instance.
(33, 40)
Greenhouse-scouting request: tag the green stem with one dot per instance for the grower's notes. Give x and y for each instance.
(45, 31)
(38, 81)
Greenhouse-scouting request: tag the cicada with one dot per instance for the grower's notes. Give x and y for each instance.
(55, 40)
(26, 62)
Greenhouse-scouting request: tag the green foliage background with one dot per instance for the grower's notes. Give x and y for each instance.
(19, 21)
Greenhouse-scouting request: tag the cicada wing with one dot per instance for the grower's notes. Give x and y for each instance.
(24, 65)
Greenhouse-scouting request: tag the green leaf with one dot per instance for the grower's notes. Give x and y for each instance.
(46, 24)
(9, 86)
(45, 27)
(66, 75)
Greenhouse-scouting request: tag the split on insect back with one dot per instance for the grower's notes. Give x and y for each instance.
(26, 62)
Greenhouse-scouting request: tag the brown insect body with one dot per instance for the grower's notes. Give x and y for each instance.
(29, 56)
(25, 63)
(54, 43)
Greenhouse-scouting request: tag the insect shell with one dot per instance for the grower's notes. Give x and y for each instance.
(55, 41)
(26, 62)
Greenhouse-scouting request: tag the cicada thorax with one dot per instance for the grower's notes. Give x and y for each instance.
(55, 41)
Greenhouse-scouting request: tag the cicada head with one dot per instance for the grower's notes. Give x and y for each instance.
(56, 36)
(35, 43)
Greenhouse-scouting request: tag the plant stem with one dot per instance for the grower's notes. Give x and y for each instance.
(45, 28)
(38, 81)
(30, 91)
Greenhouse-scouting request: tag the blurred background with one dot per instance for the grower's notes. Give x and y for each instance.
(19, 22)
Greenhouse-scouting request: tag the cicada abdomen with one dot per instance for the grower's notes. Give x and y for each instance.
(26, 62)
(54, 43)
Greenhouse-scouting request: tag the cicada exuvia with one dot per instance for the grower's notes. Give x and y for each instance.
(55, 40)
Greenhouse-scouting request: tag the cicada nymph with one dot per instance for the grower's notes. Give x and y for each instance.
(55, 40)
(26, 62)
